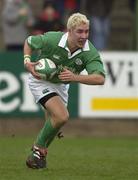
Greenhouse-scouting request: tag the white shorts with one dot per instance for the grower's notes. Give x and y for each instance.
(41, 88)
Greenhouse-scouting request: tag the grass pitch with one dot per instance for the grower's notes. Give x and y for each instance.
(72, 159)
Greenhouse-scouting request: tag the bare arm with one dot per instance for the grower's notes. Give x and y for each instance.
(27, 60)
(27, 49)
(92, 79)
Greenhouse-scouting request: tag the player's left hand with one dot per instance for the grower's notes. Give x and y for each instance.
(67, 75)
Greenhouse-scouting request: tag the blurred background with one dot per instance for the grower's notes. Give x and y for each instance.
(110, 110)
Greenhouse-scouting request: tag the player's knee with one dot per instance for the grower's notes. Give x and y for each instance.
(61, 119)
(64, 118)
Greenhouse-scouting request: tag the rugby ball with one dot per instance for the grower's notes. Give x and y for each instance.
(46, 68)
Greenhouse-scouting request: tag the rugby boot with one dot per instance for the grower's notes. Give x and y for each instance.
(37, 159)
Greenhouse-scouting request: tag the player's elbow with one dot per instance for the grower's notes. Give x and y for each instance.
(100, 80)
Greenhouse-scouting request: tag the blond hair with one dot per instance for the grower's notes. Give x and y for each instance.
(76, 19)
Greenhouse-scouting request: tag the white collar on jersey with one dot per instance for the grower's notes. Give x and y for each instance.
(63, 40)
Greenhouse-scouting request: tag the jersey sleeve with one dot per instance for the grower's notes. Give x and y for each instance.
(95, 66)
(36, 42)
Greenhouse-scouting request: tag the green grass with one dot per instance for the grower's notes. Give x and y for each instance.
(72, 159)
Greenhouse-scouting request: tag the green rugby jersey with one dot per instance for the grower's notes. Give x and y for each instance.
(53, 45)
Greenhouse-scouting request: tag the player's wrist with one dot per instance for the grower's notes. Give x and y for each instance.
(76, 78)
(27, 59)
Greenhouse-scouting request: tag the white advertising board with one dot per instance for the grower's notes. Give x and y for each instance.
(118, 97)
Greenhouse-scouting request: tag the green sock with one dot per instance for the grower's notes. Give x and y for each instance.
(47, 134)
(51, 138)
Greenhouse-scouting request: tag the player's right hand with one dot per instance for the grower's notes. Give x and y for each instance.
(30, 66)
